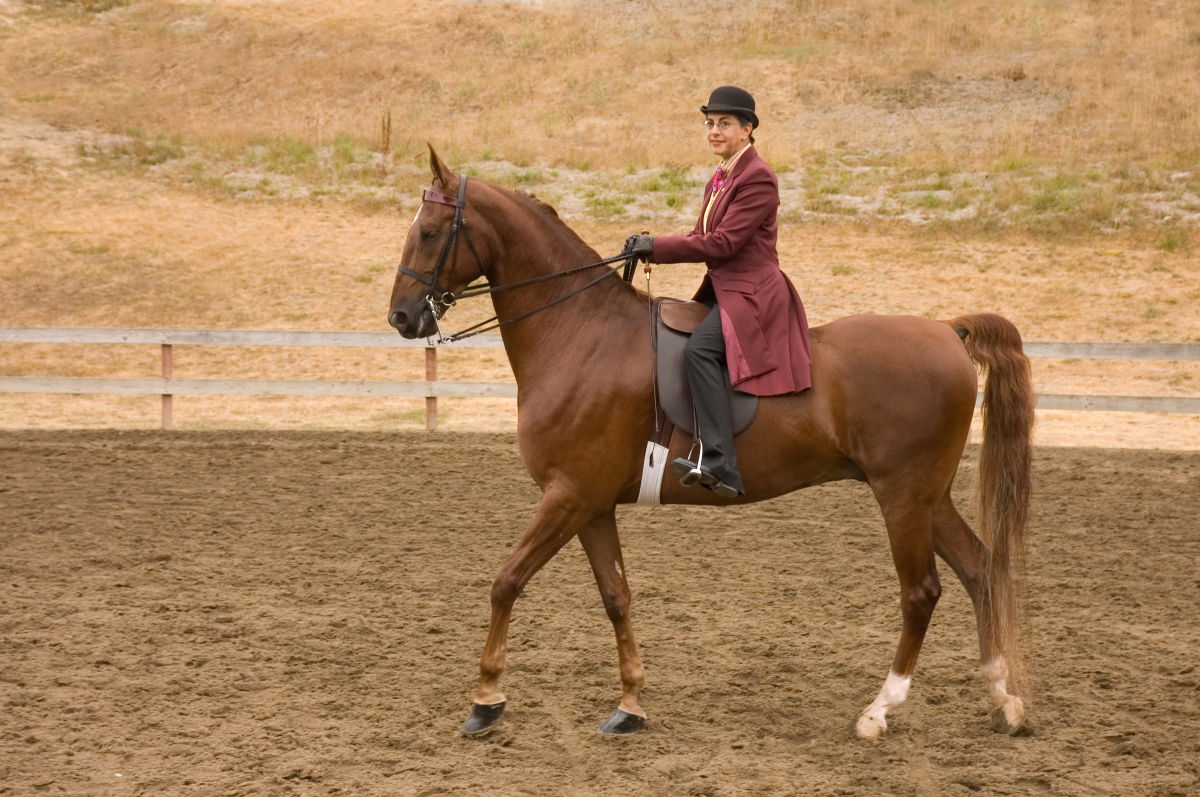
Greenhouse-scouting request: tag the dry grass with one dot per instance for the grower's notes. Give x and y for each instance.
(977, 82)
(217, 165)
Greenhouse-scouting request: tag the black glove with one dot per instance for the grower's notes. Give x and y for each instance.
(639, 246)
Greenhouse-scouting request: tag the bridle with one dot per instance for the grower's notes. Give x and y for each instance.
(440, 301)
(439, 304)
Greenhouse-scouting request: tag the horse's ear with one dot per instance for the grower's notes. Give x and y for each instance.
(441, 174)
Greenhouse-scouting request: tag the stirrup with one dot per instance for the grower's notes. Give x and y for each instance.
(689, 471)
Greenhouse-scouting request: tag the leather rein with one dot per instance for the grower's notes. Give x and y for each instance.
(439, 304)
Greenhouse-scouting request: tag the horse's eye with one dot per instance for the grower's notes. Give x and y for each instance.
(428, 235)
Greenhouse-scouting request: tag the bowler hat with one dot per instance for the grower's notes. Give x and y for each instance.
(731, 99)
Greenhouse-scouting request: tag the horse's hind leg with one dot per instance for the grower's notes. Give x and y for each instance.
(603, 547)
(558, 519)
(966, 554)
(909, 523)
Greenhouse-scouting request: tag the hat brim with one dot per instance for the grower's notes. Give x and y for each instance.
(746, 112)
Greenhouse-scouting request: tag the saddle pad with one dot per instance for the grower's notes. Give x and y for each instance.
(673, 393)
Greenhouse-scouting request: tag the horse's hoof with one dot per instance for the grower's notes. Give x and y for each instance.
(622, 723)
(870, 726)
(1010, 718)
(483, 718)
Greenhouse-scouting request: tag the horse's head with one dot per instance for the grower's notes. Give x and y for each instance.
(435, 263)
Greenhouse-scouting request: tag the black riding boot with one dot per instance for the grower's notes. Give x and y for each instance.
(708, 379)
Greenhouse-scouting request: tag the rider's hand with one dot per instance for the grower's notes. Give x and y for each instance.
(639, 246)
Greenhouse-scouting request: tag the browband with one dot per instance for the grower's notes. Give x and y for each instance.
(429, 195)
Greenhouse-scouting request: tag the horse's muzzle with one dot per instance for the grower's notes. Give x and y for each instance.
(413, 322)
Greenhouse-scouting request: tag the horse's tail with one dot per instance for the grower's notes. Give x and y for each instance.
(1004, 468)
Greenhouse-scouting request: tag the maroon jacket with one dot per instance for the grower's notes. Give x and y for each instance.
(762, 318)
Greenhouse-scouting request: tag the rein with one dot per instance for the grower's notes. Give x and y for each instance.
(440, 304)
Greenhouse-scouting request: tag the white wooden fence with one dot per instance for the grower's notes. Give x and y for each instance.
(168, 386)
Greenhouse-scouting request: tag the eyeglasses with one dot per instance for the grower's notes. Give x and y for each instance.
(725, 125)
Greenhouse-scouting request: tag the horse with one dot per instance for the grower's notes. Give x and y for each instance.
(891, 406)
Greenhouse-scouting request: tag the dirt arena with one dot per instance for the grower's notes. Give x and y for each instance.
(302, 613)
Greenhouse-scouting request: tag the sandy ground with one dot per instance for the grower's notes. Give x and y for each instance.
(268, 613)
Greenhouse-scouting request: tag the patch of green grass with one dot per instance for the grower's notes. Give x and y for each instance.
(285, 155)
(135, 152)
(348, 150)
(100, 6)
(826, 204)
(87, 249)
(373, 271)
(1019, 165)
(160, 150)
(671, 179)
(1059, 194)
(839, 270)
(520, 177)
(299, 151)
(1173, 241)
(606, 207)
(836, 186)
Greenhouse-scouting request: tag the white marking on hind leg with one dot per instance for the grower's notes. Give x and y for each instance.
(1010, 709)
(873, 720)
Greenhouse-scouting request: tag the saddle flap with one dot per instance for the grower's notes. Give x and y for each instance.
(674, 397)
(682, 316)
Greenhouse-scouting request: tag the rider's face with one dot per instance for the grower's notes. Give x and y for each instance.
(725, 134)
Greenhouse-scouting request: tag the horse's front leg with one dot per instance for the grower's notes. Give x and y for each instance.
(603, 547)
(558, 519)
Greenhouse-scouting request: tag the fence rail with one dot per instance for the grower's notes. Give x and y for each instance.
(167, 386)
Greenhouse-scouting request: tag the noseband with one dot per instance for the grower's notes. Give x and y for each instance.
(440, 301)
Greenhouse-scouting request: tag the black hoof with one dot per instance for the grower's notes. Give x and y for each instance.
(483, 718)
(621, 723)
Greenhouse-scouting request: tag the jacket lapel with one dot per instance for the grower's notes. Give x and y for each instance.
(718, 211)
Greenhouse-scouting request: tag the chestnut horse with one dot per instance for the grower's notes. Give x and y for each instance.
(891, 405)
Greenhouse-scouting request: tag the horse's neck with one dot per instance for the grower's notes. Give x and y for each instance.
(574, 329)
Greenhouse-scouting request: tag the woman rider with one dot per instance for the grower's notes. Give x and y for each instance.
(755, 336)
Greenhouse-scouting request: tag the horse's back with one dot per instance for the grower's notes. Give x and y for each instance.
(863, 347)
(888, 386)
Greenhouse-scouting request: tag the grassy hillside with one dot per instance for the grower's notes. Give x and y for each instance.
(1071, 116)
(228, 163)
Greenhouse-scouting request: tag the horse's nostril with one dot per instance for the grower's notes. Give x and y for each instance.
(397, 319)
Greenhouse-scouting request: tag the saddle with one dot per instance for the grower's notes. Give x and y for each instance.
(674, 322)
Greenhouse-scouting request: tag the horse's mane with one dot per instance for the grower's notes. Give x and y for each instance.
(557, 225)
(545, 207)
(551, 214)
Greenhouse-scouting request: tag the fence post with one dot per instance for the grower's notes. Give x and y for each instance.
(167, 421)
(430, 377)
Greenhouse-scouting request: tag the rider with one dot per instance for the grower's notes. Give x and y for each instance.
(755, 335)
